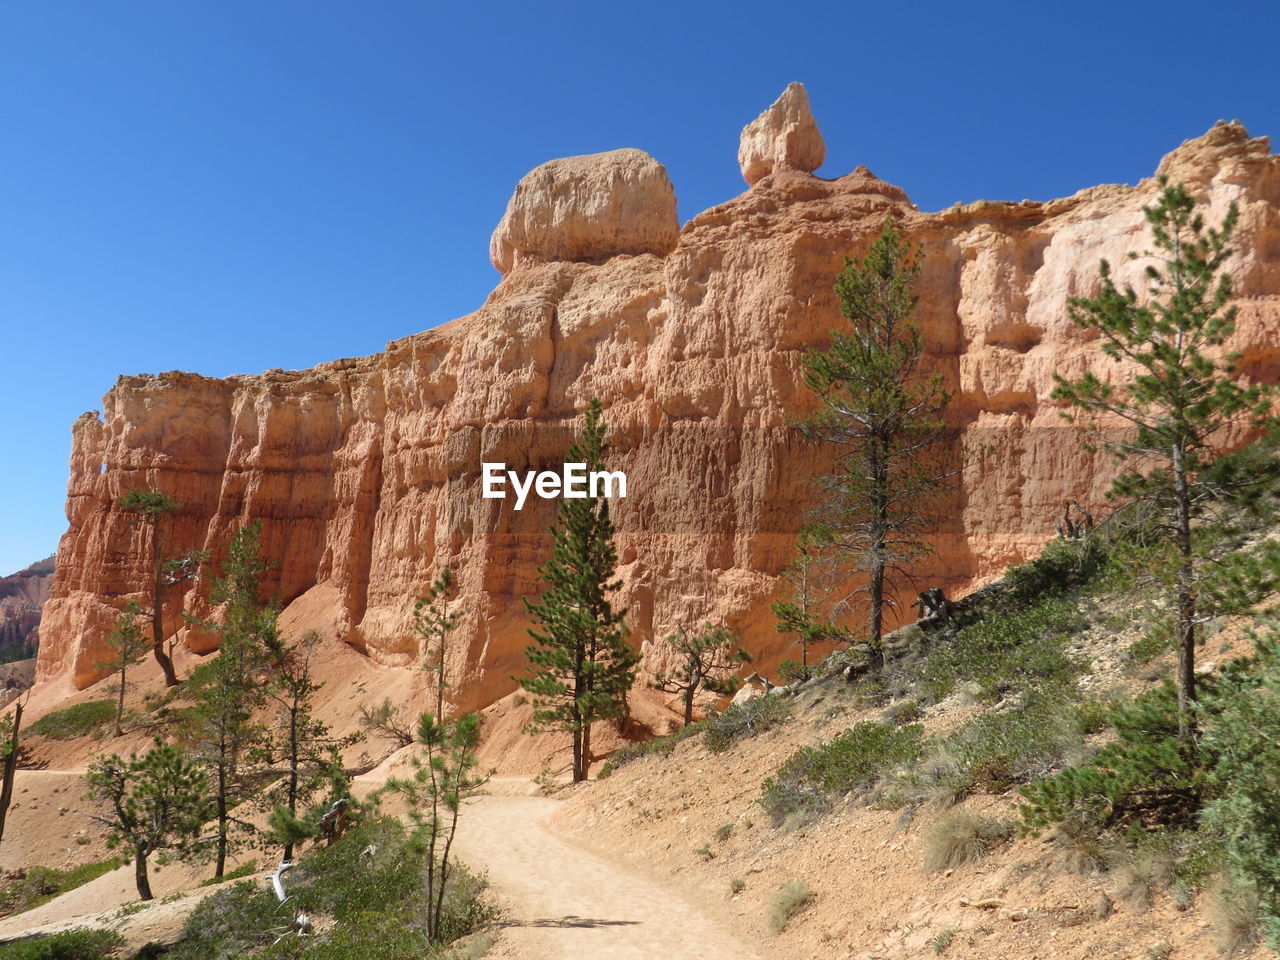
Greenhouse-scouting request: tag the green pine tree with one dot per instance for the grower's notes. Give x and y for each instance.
(443, 776)
(153, 510)
(155, 803)
(128, 646)
(218, 728)
(300, 743)
(1177, 395)
(883, 416)
(704, 661)
(582, 663)
(433, 622)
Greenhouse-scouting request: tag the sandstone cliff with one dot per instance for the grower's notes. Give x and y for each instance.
(22, 596)
(365, 471)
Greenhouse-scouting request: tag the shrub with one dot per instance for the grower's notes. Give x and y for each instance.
(41, 884)
(1235, 911)
(77, 721)
(1063, 565)
(812, 777)
(247, 869)
(790, 900)
(1008, 651)
(371, 884)
(960, 837)
(904, 712)
(744, 720)
(941, 940)
(658, 745)
(1143, 778)
(999, 750)
(83, 944)
(232, 922)
(789, 671)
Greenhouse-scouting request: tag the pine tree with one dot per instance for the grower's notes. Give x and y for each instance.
(128, 646)
(156, 803)
(13, 753)
(884, 417)
(309, 753)
(219, 726)
(442, 779)
(433, 623)
(153, 510)
(1177, 399)
(801, 615)
(582, 663)
(705, 659)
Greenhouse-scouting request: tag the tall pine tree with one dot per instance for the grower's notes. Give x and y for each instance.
(582, 663)
(883, 416)
(218, 727)
(1176, 393)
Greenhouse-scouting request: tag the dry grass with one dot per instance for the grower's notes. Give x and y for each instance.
(1234, 911)
(961, 837)
(1078, 846)
(1142, 876)
(791, 899)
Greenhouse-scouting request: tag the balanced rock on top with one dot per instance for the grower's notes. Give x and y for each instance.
(784, 137)
(588, 208)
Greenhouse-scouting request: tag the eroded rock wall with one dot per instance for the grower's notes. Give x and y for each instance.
(366, 472)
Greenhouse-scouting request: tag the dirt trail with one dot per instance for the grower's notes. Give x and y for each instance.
(565, 903)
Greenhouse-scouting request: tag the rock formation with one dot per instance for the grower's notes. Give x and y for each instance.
(22, 596)
(588, 208)
(366, 472)
(784, 137)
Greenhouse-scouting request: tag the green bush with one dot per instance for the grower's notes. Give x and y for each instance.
(246, 869)
(1142, 779)
(789, 901)
(811, 779)
(232, 922)
(84, 944)
(1000, 750)
(41, 884)
(371, 883)
(1244, 782)
(744, 720)
(1063, 566)
(904, 712)
(1008, 651)
(789, 671)
(77, 721)
(645, 748)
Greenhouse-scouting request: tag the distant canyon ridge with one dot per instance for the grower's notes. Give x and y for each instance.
(366, 472)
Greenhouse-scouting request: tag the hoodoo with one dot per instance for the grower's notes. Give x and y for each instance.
(367, 473)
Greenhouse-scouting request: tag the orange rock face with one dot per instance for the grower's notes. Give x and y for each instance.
(366, 472)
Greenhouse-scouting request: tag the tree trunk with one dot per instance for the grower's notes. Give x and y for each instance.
(157, 611)
(140, 874)
(688, 704)
(120, 700)
(292, 795)
(221, 865)
(10, 767)
(586, 752)
(879, 543)
(1186, 606)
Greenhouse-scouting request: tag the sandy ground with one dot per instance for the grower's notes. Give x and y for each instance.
(562, 902)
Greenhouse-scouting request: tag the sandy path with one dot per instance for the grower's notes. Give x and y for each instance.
(565, 903)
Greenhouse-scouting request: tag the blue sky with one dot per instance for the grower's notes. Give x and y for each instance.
(232, 186)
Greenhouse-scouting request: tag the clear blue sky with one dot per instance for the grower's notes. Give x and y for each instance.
(231, 186)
